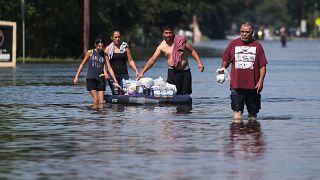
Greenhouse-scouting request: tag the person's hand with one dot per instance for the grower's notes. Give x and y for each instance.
(107, 77)
(221, 70)
(259, 87)
(75, 80)
(116, 84)
(201, 67)
(137, 74)
(139, 77)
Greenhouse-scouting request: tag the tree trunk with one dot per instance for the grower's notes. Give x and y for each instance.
(86, 25)
(196, 30)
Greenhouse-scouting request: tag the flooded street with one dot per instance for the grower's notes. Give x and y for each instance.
(49, 131)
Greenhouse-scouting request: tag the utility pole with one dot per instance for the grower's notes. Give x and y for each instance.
(23, 32)
(303, 21)
(314, 19)
(86, 25)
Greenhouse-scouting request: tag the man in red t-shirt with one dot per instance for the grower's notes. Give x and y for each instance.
(247, 72)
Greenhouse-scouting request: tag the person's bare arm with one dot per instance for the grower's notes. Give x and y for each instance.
(105, 72)
(81, 66)
(259, 85)
(150, 62)
(131, 62)
(106, 50)
(224, 65)
(196, 56)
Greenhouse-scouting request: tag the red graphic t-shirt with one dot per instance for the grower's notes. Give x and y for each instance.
(246, 59)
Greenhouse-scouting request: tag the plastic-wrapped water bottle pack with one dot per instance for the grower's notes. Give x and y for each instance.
(148, 86)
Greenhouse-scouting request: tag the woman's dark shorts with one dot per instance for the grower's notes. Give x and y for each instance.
(99, 85)
(248, 97)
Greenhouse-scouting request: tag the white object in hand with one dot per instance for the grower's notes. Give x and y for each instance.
(221, 77)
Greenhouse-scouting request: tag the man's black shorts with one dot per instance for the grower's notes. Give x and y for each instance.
(248, 97)
(182, 80)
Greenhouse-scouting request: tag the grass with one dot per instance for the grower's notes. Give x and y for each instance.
(48, 60)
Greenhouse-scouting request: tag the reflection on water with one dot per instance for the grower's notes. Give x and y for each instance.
(183, 109)
(49, 129)
(246, 141)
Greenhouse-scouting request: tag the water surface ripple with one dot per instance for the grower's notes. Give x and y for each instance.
(49, 131)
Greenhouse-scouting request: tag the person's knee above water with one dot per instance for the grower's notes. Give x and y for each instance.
(247, 72)
(176, 50)
(118, 53)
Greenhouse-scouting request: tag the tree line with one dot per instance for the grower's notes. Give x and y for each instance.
(55, 28)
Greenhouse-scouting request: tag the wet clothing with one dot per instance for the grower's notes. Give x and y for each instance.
(95, 69)
(182, 79)
(99, 85)
(118, 63)
(250, 98)
(179, 46)
(246, 59)
(96, 65)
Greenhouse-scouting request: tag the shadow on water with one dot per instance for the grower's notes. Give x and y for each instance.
(184, 109)
(283, 117)
(180, 109)
(291, 99)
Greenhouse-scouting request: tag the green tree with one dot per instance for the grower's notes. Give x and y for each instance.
(272, 12)
(54, 28)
